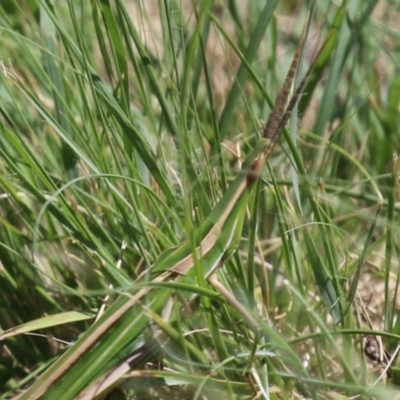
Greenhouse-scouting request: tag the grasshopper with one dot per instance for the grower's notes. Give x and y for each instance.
(215, 239)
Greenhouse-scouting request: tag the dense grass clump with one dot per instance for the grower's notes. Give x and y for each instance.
(123, 123)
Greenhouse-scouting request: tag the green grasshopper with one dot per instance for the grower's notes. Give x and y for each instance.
(214, 240)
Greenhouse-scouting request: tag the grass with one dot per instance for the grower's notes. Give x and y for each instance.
(125, 123)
